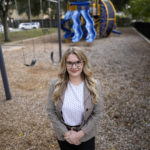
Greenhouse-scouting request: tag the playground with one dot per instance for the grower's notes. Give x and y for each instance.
(121, 62)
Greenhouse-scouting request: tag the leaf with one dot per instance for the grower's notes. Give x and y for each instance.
(20, 134)
(52, 145)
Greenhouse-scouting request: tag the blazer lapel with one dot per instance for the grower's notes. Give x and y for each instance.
(60, 103)
(86, 94)
(86, 99)
(87, 103)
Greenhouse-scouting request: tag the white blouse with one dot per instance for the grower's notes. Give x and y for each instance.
(73, 105)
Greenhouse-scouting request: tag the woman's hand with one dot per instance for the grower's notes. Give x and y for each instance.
(67, 135)
(71, 137)
(74, 137)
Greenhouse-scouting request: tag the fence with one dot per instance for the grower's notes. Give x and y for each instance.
(45, 23)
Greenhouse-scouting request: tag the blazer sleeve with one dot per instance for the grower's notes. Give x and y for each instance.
(93, 120)
(51, 110)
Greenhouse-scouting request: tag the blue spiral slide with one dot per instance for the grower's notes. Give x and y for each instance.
(89, 25)
(78, 30)
(76, 26)
(68, 32)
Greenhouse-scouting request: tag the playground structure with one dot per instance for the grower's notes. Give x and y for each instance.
(89, 19)
(33, 62)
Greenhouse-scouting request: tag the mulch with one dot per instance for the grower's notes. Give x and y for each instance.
(120, 62)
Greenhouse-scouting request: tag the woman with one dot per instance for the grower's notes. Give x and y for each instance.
(75, 103)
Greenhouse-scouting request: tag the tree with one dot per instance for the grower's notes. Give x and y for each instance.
(119, 4)
(35, 5)
(29, 6)
(139, 9)
(5, 6)
(63, 4)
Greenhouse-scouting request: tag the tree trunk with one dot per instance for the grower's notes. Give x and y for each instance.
(5, 24)
(6, 32)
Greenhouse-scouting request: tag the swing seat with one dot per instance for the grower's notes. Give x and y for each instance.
(32, 63)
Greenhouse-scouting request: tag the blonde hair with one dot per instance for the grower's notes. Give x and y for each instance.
(63, 76)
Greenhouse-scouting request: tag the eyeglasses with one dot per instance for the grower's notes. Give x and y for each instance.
(76, 63)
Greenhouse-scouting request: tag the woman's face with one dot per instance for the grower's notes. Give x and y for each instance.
(74, 66)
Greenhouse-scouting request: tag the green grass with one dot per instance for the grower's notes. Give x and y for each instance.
(25, 34)
(147, 19)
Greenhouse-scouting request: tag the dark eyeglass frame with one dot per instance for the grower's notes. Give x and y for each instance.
(76, 63)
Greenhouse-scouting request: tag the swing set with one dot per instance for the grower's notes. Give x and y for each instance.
(33, 62)
(102, 10)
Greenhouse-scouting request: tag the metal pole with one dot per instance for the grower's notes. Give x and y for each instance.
(41, 10)
(50, 25)
(17, 12)
(29, 10)
(4, 76)
(59, 29)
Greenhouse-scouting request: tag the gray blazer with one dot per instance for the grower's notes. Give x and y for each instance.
(91, 116)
